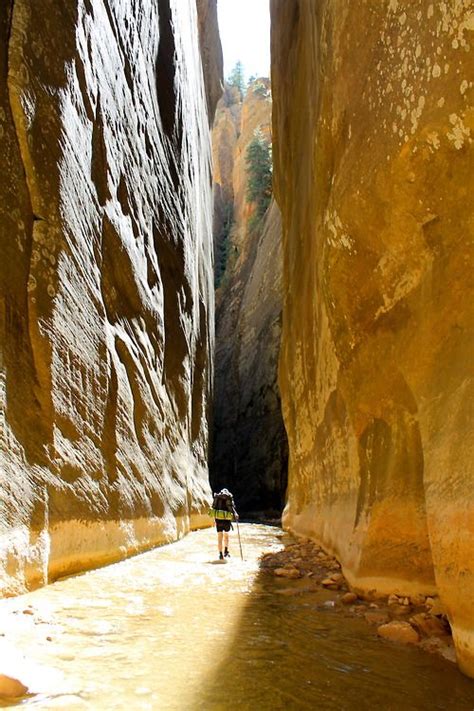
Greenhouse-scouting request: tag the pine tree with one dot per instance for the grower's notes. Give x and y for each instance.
(223, 245)
(236, 77)
(258, 159)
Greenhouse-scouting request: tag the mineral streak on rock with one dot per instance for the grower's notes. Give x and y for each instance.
(249, 449)
(373, 156)
(106, 293)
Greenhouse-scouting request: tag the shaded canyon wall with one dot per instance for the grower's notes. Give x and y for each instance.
(106, 301)
(249, 448)
(373, 157)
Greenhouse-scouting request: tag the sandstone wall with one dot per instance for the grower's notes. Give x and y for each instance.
(106, 301)
(373, 130)
(249, 449)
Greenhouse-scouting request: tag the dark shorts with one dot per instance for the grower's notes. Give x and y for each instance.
(223, 525)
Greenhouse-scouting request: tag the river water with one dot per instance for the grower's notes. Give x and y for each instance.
(175, 630)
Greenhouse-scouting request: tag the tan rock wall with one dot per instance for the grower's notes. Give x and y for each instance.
(106, 297)
(373, 157)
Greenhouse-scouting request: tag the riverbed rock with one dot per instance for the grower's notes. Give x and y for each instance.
(348, 598)
(287, 573)
(400, 610)
(11, 688)
(428, 625)
(435, 606)
(417, 600)
(399, 632)
(373, 154)
(106, 285)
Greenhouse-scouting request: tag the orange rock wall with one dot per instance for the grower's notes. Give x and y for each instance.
(373, 165)
(106, 289)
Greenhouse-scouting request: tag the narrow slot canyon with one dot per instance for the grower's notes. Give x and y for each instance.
(236, 253)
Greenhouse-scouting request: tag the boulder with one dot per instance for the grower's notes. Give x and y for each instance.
(11, 688)
(287, 573)
(397, 631)
(348, 598)
(417, 600)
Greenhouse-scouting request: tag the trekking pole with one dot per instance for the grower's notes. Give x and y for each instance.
(240, 544)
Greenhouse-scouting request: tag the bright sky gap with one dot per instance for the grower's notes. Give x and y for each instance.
(244, 27)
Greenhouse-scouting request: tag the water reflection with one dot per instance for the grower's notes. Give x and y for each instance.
(173, 630)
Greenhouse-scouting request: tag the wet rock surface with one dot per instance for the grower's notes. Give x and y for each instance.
(106, 289)
(373, 154)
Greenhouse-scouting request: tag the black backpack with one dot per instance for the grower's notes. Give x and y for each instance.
(223, 501)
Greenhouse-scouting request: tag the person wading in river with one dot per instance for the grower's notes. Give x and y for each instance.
(223, 511)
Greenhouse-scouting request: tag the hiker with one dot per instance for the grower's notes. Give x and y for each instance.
(224, 512)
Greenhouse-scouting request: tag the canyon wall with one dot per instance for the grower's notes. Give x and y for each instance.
(373, 166)
(249, 449)
(106, 301)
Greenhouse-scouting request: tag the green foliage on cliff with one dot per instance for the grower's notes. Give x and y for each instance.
(261, 89)
(258, 159)
(223, 245)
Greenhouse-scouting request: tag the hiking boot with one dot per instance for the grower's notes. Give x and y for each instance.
(226, 553)
(221, 557)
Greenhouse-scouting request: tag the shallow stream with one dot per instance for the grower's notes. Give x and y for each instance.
(174, 629)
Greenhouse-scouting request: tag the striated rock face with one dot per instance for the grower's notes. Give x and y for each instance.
(106, 301)
(373, 129)
(249, 452)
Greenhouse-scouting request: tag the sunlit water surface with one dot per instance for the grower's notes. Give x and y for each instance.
(173, 629)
